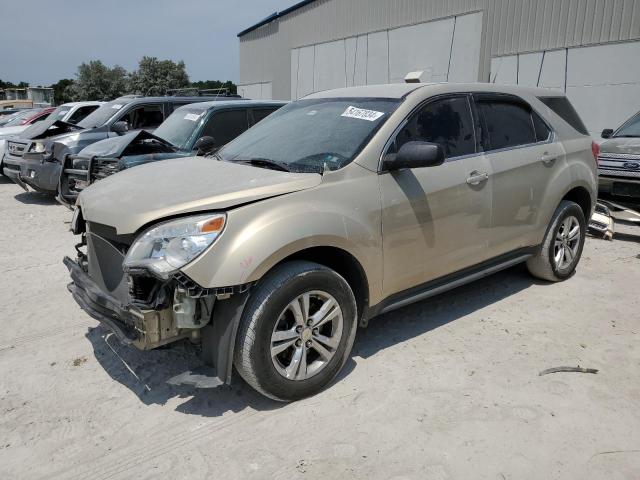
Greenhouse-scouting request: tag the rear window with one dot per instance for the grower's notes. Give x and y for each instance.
(563, 108)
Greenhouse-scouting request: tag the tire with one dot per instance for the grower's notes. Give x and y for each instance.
(545, 264)
(271, 313)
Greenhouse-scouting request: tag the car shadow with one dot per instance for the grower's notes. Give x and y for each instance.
(36, 198)
(148, 373)
(422, 317)
(4, 180)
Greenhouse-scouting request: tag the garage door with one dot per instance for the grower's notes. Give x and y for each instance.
(445, 50)
(603, 82)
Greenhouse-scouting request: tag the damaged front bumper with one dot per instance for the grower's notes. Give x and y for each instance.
(39, 173)
(102, 307)
(177, 310)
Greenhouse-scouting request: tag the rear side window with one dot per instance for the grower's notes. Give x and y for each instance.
(507, 124)
(447, 122)
(262, 113)
(542, 130)
(225, 126)
(563, 108)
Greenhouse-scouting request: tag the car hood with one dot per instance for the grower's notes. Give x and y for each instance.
(6, 132)
(621, 145)
(57, 128)
(116, 147)
(134, 198)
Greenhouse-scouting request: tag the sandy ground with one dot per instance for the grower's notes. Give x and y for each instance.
(445, 389)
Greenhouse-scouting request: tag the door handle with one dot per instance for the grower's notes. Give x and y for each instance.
(548, 159)
(476, 177)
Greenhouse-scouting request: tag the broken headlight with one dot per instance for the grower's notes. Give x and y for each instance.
(37, 147)
(171, 245)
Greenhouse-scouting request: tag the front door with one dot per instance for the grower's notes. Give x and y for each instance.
(436, 220)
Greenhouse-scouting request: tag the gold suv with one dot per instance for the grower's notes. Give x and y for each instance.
(336, 208)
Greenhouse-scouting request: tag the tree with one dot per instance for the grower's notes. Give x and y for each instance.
(96, 81)
(4, 85)
(63, 91)
(156, 77)
(211, 84)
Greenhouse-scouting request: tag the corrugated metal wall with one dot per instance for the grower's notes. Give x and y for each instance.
(510, 26)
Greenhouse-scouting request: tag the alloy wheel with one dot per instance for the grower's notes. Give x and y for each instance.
(567, 243)
(307, 335)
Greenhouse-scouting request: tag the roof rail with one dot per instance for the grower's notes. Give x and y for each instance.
(196, 92)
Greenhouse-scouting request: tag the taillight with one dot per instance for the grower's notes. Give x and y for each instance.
(595, 149)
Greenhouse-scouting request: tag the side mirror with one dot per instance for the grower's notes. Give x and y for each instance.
(205, 145)
(120, 127)
(607, 133)
(416, 155)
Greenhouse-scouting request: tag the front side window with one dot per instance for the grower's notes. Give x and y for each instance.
(313, 135)
(508, 124)
(447, 122)
(144, 116)
(224, 126)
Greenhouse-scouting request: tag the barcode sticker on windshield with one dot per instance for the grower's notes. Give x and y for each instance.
(192, 116)
(362, 114)
(117, 106)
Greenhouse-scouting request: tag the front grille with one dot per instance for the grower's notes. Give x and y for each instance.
(103, 168)
(16, 149)
(619, 165)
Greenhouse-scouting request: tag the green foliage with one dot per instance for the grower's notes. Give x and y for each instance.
(4, 85)
(156, 77)
(210, 84)
(63, 91)
(96, 81)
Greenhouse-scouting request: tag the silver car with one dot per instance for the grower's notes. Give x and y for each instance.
(336, 208)
(619, 160)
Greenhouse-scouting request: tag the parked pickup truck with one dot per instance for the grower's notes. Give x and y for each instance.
(334, 209)
(37, 163)
(619, 160)
(196, 128)
(60, 120)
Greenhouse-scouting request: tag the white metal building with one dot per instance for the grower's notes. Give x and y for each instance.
(588, 48)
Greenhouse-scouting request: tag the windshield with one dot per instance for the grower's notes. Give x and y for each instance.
(312, 135)
(57, 114)
(631, 128)
(102, 115)
(17, 120)
(179, 127)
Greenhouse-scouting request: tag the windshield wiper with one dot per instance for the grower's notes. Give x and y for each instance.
(267, 163)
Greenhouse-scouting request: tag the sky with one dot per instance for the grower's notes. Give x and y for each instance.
(42, 41)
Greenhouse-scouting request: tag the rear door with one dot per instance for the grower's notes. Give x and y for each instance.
(523, 153)
(436, 220)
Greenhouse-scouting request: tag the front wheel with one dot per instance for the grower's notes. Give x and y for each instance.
(296, 331)
(561, 249)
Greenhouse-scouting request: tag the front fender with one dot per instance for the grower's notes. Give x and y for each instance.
(260, 235)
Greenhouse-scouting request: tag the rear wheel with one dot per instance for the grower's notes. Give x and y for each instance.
(560, 252)
(296, 331)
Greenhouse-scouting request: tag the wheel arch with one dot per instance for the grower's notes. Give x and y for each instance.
(582, 197)
(336, 258)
